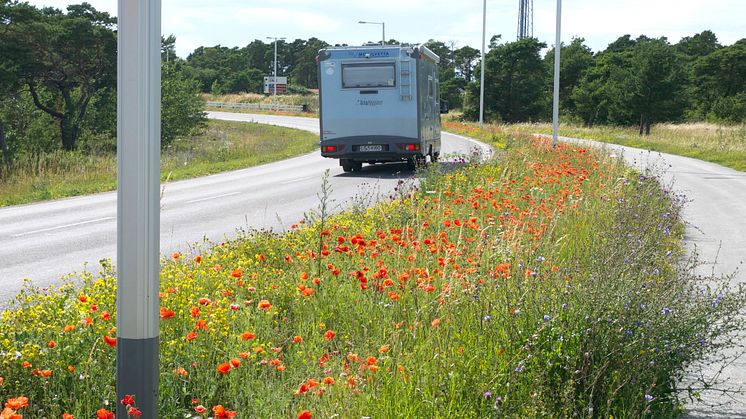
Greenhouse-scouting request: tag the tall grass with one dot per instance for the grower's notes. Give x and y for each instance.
(548, 284)
(225, 145)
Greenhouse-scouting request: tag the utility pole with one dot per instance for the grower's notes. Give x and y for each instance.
(481, 82)
(138, 211)
(274, 98)
(557, 48)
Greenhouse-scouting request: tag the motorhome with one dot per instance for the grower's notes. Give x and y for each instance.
(379, 104)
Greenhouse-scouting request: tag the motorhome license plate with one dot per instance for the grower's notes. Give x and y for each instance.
(364, 148)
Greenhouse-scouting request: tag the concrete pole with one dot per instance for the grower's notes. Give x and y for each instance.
(557, 49)
(274, 99)
(383, 33)
(138, 212)
(481, 82)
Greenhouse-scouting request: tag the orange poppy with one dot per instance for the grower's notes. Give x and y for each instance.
(17, 403)
(111, 341)
(224, 368)
(167, 313)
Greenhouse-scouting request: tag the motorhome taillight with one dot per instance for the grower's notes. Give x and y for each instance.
(413, 147)
(329, 149)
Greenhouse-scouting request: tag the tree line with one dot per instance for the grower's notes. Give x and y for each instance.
(633, 82)
(58, 79)
(58, 83)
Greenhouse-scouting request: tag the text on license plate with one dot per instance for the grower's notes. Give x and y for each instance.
(364, 148)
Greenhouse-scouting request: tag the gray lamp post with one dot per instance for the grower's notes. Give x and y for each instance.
(138, 210)
(274, 98)
(383, 29)
(481, 82)
(557, 48)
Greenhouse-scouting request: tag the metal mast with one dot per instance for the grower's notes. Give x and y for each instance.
(525, 19)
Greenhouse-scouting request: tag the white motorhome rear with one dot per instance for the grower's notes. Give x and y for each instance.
(379, 104)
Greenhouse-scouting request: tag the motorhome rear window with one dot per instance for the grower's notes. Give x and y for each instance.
(368, 75)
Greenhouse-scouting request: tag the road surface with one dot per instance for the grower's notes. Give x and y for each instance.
(46, 240)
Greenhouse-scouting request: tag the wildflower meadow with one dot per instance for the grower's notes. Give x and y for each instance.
(548, 282)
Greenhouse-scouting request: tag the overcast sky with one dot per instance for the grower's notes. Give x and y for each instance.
(237, 22)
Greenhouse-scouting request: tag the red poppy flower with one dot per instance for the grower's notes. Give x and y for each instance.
(329, 335)
(104, 414)
(305, 415)
(17, 403)
(167, 313)
(224, 368)
(110, 341)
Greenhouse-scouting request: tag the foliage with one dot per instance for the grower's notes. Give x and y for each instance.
(182, 108)
(546, 285)
(575, 60)
(223, 146)
(63, 59)
(634, 81)
(719, 81)
(514, 83)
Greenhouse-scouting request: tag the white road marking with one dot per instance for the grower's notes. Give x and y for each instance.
(294, 180)
(212, 197)
(43, 230)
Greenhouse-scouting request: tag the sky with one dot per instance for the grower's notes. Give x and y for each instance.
(233, 23)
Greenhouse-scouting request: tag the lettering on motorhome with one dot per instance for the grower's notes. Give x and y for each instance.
(369, 102)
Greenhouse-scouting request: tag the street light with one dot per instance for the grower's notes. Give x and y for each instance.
(138, 210)
(383, 29)
(274, 98)
(557, 48)
(481, 82)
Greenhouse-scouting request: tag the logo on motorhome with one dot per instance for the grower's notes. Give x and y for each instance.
(369, 102)
(371, 53)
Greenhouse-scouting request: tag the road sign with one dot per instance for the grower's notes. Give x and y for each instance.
(269, 85)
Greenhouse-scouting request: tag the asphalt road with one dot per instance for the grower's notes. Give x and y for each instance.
(46, 240)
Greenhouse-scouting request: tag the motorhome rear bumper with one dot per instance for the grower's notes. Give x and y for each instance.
(373, 148)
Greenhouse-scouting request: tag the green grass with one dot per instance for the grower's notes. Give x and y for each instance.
(546, 284)
(724, 145)
(721, 144)
(225, 145)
